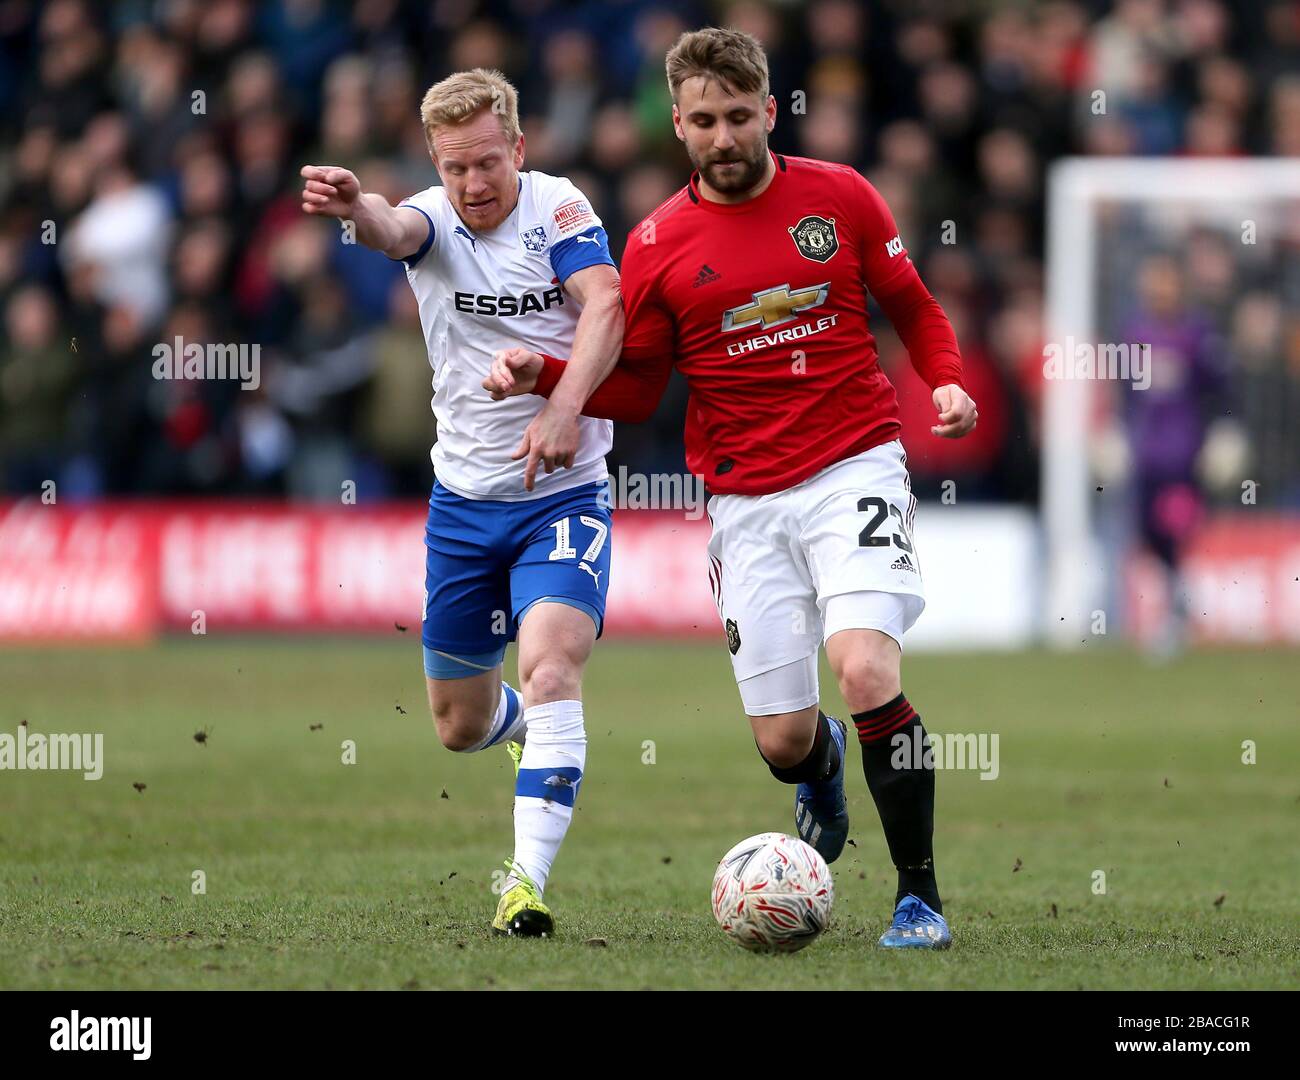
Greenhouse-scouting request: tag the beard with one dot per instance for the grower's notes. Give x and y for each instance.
(737, 179)
(485, 222)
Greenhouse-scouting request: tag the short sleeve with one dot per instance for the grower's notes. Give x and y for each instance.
(576, 237)
(424, 202)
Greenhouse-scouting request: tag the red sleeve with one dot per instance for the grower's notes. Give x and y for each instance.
(633, 390)
(923, 329)
(891, 278)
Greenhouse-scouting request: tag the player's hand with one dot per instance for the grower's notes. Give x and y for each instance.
(1224, 456)
(551, 439)
(329, 191)
(957, 412)
(514, 372)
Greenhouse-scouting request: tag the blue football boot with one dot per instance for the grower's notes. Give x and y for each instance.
(916, 925)
(820, 814)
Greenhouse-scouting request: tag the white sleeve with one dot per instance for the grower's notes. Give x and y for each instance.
(427, 203)
(568, 211)
(576, 237)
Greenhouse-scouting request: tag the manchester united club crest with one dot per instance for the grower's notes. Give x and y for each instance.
(733, 636)
(815, 238)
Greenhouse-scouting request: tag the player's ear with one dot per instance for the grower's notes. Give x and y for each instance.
(519, 152)
(677, 123)
(770, 110)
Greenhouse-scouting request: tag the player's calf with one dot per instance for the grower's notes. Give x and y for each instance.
(807, 748)
(867, 664)
(555, 640)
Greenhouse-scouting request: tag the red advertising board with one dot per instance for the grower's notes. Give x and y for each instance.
(1243, 581)
(127, 570)
(89, 573)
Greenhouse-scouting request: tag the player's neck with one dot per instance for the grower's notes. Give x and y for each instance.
(731, 198)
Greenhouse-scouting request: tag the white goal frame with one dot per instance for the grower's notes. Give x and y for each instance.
(1074, 561)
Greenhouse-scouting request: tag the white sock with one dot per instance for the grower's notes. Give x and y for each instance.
(547, 786)
(508, 722)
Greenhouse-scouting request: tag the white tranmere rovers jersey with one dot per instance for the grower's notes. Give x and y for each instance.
(479, 292)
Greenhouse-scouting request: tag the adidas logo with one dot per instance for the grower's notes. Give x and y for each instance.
(706, 275)
(903, 563)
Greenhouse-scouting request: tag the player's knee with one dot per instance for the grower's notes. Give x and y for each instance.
(867, 681)
(782, 746)
(459, 740)
(552, 678)
(458, 727)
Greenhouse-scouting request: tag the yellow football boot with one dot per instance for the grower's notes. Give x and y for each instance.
(521, 912)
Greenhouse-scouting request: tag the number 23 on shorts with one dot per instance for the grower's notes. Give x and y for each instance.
(880, 510)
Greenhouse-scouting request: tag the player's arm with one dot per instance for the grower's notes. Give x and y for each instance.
(917, 316)
(931, 345)
(400, 232)
(551, 439)
(631, 392)
(597, 340)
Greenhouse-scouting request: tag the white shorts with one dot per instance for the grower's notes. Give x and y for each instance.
(792, 568)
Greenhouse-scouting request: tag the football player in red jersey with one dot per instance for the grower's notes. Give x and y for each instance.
(753, 282)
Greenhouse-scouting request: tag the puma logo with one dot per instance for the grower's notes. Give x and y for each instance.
(594, 573)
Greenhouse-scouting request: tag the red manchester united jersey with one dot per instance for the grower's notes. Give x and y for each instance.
(762, 306)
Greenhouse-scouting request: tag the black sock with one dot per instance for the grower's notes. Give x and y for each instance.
(904, 796)
(822, 762)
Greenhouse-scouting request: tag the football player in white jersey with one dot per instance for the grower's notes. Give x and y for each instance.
(495, 256)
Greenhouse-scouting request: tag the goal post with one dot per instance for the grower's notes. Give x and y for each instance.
(1223, 193)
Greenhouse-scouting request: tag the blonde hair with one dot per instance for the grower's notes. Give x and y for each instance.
(732, 57)
(464, 95)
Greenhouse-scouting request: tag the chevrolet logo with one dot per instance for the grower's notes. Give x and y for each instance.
(772, 307)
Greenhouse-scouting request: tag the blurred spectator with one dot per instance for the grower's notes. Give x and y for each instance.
(37, 379)
(161, 142)
(123, 240)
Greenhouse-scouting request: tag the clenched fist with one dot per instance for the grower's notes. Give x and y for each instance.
(514, 372)
(957, 412)
(330, 191)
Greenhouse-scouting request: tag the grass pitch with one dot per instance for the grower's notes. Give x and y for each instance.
(378, 874)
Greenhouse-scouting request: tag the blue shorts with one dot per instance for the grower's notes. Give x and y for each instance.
(487, 562)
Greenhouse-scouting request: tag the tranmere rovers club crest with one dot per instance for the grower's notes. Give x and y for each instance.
(534, 239)
(815, 238)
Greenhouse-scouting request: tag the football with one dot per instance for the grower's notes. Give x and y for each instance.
(772, 893)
